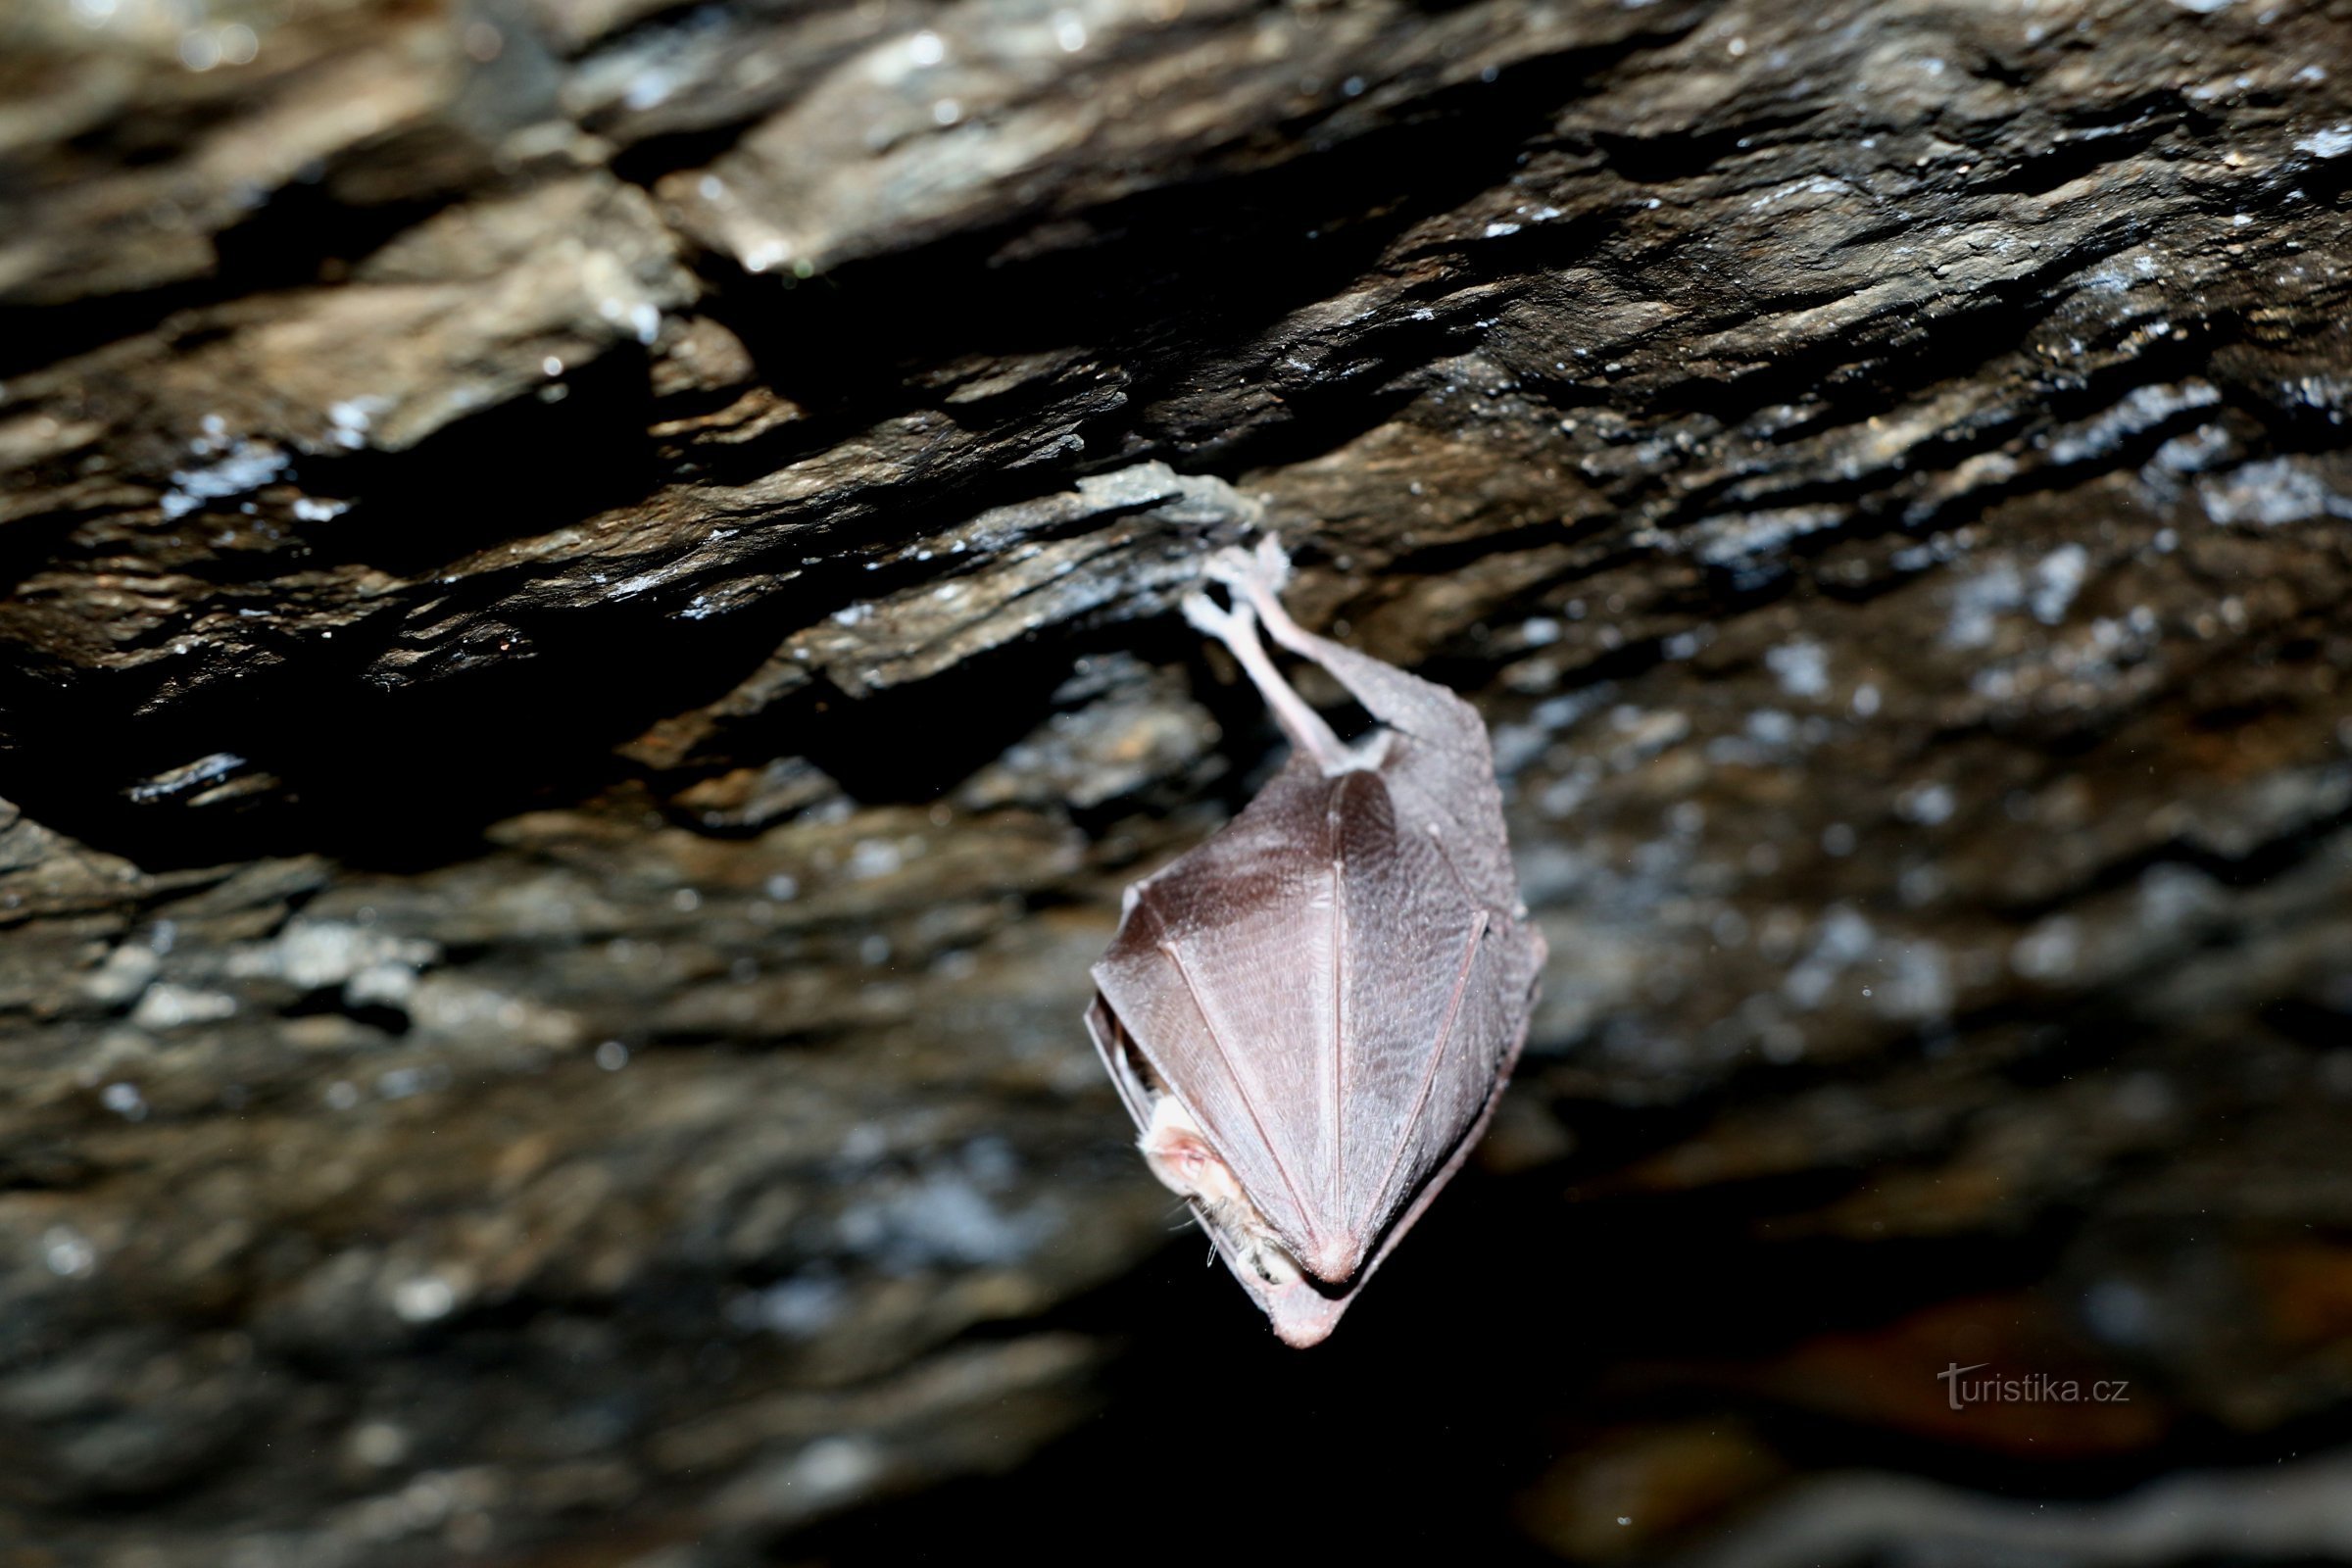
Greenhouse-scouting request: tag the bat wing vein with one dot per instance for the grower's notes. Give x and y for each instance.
(1233, 1070)
(1336, 1109)
(1445, 851)
(1437, 1059)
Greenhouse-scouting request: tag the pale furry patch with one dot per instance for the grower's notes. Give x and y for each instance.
(1186, 1164)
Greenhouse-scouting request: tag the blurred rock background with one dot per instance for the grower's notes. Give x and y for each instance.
(585, 649)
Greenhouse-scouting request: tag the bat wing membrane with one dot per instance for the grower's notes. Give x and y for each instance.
(1423, 1037)
(1320, 989)
(1221, 975)
(1111, 1045)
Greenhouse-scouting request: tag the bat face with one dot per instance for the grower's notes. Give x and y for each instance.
(1311, 1016)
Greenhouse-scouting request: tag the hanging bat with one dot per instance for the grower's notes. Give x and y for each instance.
(1312, 1015)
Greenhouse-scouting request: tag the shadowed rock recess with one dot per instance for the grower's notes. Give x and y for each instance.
(586, 645)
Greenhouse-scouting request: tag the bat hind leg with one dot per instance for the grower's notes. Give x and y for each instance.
(1398, 699)
(1236, 629)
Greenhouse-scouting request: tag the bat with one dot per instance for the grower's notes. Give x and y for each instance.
(1311, 1016)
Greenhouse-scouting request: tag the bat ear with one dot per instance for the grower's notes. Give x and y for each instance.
(1183, 1160)
(1179, 1157)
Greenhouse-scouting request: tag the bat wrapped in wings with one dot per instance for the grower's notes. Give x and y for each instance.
(1311, 1015)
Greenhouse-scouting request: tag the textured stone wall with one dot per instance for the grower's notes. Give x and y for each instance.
(585, 649)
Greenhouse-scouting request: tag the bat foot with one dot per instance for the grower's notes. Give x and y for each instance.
(1273, 562)
(1259, 570)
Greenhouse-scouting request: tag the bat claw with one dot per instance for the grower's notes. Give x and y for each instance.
(1273, 562)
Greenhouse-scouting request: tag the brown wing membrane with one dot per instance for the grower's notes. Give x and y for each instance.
(1221, 976)
(1319, 989)
(1111, 1045)
(1413, 948)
